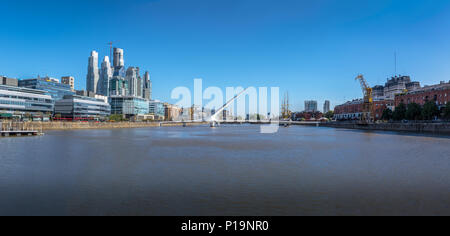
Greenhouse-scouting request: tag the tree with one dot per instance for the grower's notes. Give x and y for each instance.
(400, 112)
(430, 110)
(447, 111)
(116, 117)
(329, 115)
(387, 114)
(414, 112)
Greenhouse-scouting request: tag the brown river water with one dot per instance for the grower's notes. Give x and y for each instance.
(229, 170)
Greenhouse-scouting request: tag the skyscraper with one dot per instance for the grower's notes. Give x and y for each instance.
(106, 74)
(92, 75)
(140, 83)
(310, 106)
(326, 106)
(118, 58)
(147, 94)
(132, 78)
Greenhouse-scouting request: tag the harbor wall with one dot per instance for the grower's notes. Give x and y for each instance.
(93, 125)
(437, 128)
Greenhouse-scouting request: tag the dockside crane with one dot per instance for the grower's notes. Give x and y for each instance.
(368, 115)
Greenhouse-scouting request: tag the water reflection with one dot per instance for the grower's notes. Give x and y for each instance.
(231, 170)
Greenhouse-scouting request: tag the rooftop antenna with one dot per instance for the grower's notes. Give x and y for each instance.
(395, 63)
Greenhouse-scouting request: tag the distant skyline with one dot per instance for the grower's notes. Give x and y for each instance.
(312, 49)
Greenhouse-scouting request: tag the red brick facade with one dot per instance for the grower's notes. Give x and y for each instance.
(440, 96)
(307, 115)
(353, 110)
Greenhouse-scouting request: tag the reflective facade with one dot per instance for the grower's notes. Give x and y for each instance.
(118, 58)
(25, 102)
(129, 105)
(132, 78)
(106, 74)
(156, 108)
(147, 92)
(92, 77)
(56, 90)
(80, 107)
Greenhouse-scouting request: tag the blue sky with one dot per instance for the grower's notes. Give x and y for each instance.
(313, 49)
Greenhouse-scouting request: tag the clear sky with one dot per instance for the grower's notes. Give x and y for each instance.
(313, 49)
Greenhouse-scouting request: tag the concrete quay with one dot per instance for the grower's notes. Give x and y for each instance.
(434, 128)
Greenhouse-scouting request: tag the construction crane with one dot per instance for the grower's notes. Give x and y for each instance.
(368, 100)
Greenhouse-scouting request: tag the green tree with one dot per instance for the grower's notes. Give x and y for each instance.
(329, 115)
(400, 112)
(414, 112)
(447, 111)
(430, 110)
(116, 118)
(387, 114)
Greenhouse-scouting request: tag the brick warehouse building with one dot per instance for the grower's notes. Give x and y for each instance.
(439, 93)
(353, 110)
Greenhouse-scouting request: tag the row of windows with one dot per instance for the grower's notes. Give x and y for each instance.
(19, 103)
(26, 98)
(90, 105)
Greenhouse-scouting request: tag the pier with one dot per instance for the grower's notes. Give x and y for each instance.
(18, 129)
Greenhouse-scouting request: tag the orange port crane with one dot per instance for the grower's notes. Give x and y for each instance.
(367, 115)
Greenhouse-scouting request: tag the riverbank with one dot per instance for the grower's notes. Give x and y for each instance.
(435, 128)
(45, 126)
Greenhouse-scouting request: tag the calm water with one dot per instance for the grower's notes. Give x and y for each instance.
(230, 170)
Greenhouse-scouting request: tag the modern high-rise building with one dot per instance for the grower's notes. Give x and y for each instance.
(118, 58)
(117, 80)
(140, 84)
(310, 106)
(132, 78)
(106, 74)
(69, 80)
(326, 106)
(92, 75)
(118, 86)
(147, 93)
(140, 88)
